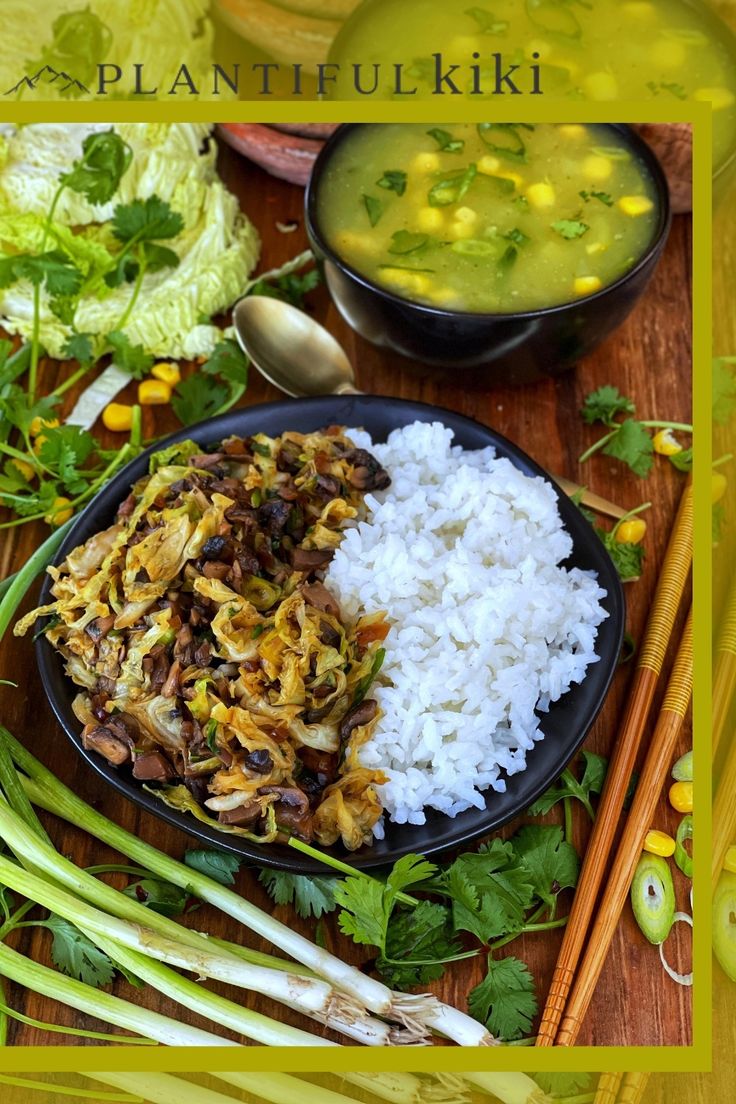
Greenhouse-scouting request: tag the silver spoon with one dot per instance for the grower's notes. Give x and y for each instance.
(297, 355)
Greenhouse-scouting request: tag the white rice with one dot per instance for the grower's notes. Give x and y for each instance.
(463, 552)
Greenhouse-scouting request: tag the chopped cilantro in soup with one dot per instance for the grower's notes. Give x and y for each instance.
(493, 217)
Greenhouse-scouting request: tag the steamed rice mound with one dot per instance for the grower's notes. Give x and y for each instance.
(487, 629)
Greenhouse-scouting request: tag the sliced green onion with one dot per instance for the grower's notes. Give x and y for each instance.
(682, 858)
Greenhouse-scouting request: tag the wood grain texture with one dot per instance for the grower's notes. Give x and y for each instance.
(649, 359)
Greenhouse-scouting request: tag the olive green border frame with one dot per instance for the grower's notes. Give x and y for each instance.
(695, 1058)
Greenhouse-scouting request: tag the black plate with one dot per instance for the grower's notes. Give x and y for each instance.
(565, 725)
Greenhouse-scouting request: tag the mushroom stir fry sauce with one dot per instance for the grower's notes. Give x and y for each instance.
(213, 660)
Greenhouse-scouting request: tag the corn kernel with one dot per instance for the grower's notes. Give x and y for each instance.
(466, 215)
(541, 195)
(152, 392)
(573, 131)
(430, 219)
(464, 45)
(635, 205)
(631, 531)
(26, 470)
(718, 486)
(413, 282)
(595, 247)
(169, 373)
(117, 417)
(601, 86)
(718, 98)
(587, 285)
(665, 443)
(60, 512)
(349, 241)
(459, 230)
(426, 162)
(659, 843)
(488, 164)
(681, 797)
(597, 168)
(729, 863)
(541, 47)
(39, 423)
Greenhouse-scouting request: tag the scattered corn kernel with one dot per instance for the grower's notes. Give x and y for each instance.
(153, 392)
(665, 443)
(430, 218)
(668, 53)
(659, 843)
(635, 205)
(632, 531)
(719, 98)
(601, 86)
(117, 417)
(541, 47)
(26, 470)
(573, 131)
(351, 241)
(681, 797)
(595, 247)
(414, 282)
(541, 194)
(426, 162)
(466, 215)
(587, 285)
(488, 164)
(39, 423)
(60, 512)
(459, 230)
(597, 168)
(718, 486)
(729, 863)
(169, 373)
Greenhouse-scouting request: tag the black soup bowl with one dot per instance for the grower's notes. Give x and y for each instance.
(565, 726)
(511, 348)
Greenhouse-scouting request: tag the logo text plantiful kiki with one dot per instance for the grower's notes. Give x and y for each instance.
(484, 75)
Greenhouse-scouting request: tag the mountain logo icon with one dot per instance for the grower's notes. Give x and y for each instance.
(47, 75)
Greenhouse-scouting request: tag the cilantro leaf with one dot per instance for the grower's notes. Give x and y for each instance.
(311, 896)
(563, 1084)
(419, 941)
(491, 891)
(97, 174)
(148, 219)
(602, 197)
(290, 288)
(366, 908)
(221, 866)
(374, 208)
(505, 1000)
(132, 359)
(403, 242)
(198, 397)
(63, 450)
(628, 559)
(551, 862)
(445, 141)
(393, 180)
(517, 236)
(632, 444)
(79, 347)
(76, 955)
(604, 404)
(570, 228)
(567, 785)
(228, 361)
(487, 24)
(162, 897)
(54, 269)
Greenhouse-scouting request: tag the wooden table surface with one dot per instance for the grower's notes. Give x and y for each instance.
(648, 359)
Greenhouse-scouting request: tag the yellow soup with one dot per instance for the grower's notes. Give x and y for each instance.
(493, 217)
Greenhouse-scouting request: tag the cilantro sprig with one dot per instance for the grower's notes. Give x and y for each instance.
(628, 440)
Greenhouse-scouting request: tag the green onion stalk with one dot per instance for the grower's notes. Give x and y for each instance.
(93, 1002)
(311, 994)
(282, 1088)
(53, 1087)
(45, 790)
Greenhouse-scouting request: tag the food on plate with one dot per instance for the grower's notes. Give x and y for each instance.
(293, 635)
(213, 660)
(493, 217)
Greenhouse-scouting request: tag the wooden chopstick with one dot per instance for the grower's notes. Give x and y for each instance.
(643, 808)
(724, 678)
(633, 1088)
(589, 498)
(608, 1086)
(674, 573)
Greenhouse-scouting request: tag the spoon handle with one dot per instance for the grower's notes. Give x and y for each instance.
(347, 389)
